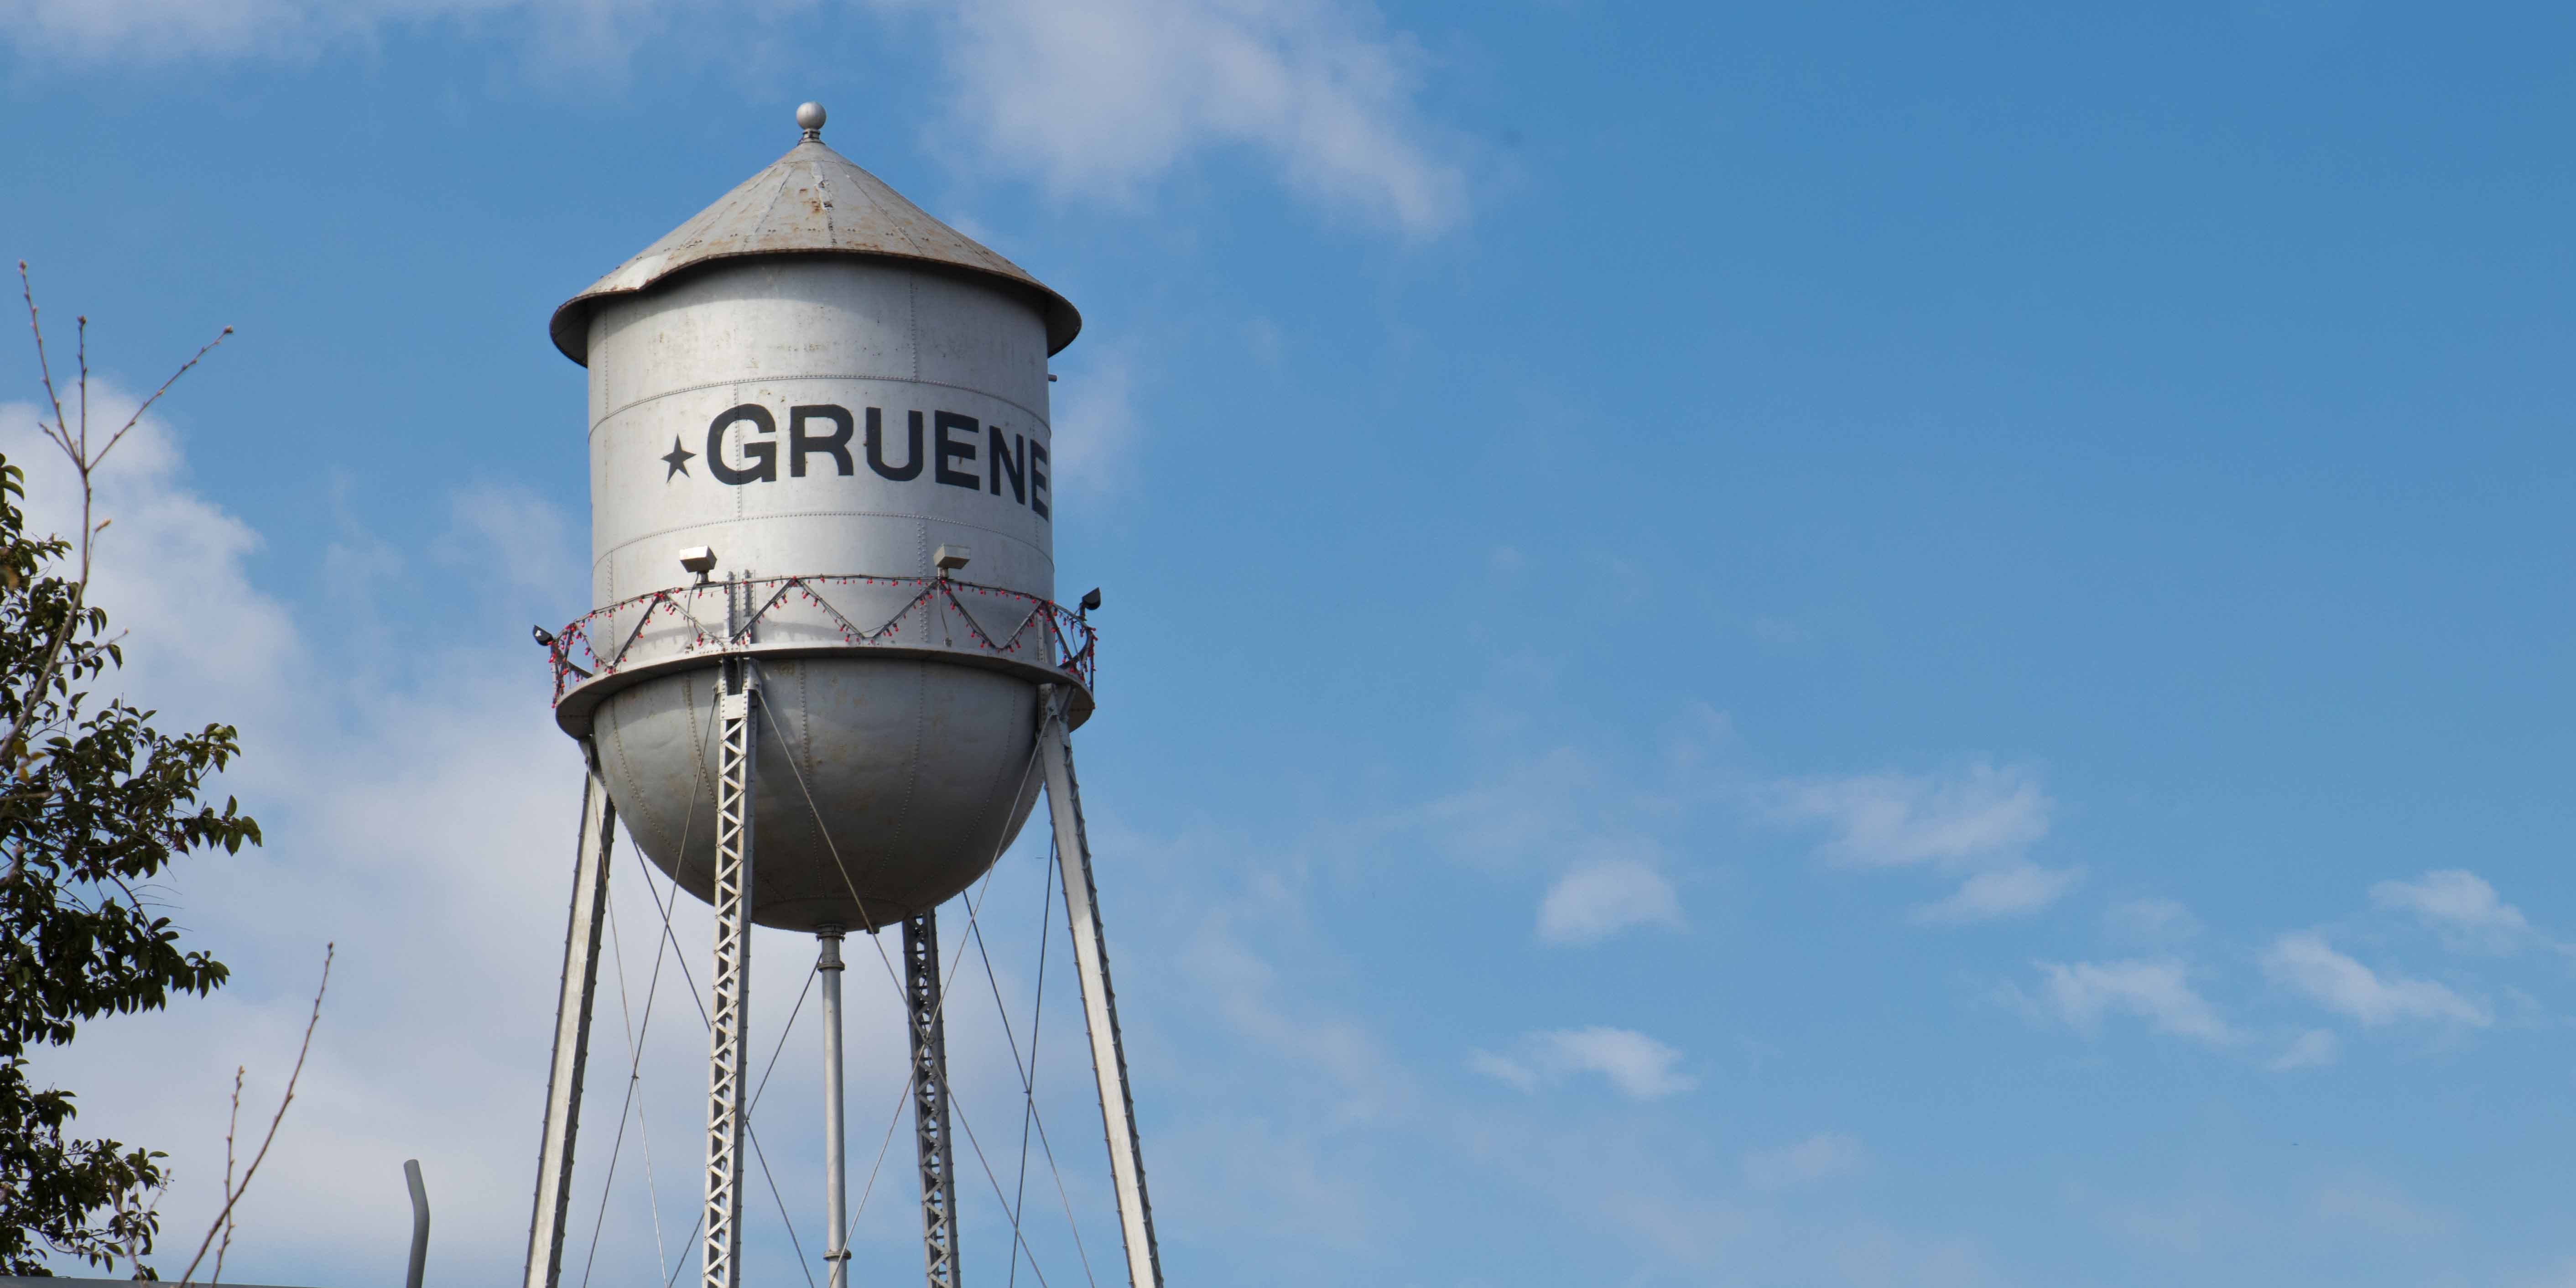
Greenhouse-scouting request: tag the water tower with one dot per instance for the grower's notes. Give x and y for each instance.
(825, 674)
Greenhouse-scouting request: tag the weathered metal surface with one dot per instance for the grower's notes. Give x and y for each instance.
(835, 385)
(812, 201)
(899, 780)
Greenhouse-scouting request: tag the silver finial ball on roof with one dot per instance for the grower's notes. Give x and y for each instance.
(809, 118)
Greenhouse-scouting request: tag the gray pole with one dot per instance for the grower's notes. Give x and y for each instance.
(836, 1163)
(579, 985)
(730, 1010)
(1099, 1006)
(419, 1224)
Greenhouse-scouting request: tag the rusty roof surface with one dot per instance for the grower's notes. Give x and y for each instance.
(811, 201)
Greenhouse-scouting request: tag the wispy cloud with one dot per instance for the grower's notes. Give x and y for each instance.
(2306, 964)
(2380, 1208)
(2151, 920)
(1637, 1066)
(1817, 1158)
(1098, 98)
(1092, 99)
(1098, 429)
(1518, 818)
(1340, 1057)
(2159, 992)
(2309, 1050)
(2008, 891)
(1976, 824)
(2461, 907)
(1893, 820)
(1602, 898)
(590, 33)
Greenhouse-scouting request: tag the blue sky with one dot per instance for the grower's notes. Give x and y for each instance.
(1826, 645)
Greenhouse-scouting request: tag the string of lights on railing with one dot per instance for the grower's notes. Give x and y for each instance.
(1074, 642)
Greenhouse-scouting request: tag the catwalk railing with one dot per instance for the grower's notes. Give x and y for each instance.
(715, 617)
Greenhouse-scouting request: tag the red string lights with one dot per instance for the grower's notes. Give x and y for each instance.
(1052, 629)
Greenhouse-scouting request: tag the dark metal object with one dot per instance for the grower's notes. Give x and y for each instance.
(419, 1223)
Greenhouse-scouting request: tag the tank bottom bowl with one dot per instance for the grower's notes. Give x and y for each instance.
(882, 786)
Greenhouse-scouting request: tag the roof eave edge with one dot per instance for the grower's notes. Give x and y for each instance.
(569, 330)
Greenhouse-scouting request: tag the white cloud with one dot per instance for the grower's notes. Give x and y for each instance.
(1638, 1066)
(1600, 899)
(1097, 428)
(1533, 811)
(1778, 630)
(1338, 1052)
(2010, 891)
(1819, 1157)
(2305, 963)
(429, 784)
(2380, 1209)
(2151, 920)
(1892, 820)
(1095, 99)
(1976, 824)
(2165, 1227)
(2309, 1050)
(1100, 97)
(170, 568)
(147, 31)
(2461, 906)
(508, 537)
(2562, 1276)
(1504, 1069)
(2159, 992)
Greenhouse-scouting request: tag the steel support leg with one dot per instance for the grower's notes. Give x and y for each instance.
(1099, 1005)
(730, 1008)
(930, 1099)
(580, 983)
(836, 1164)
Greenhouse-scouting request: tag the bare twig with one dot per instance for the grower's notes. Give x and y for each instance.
(44, 367)
(137, 417)
(80, 347)
(233, 1193)
(231, 1125)
(74, 443)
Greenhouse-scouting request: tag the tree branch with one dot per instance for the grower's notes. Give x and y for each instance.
(232, 1194)
(83, 465)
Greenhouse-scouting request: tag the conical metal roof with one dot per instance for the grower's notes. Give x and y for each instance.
(812, 201)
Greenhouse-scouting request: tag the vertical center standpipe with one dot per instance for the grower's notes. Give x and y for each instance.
(836, 1158)
(822, 516)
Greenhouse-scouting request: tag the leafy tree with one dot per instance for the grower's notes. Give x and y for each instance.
(95, 803)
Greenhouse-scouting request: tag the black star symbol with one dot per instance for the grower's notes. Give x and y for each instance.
(678, 460)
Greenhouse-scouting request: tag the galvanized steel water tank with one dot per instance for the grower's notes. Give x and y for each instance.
(825, 389)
